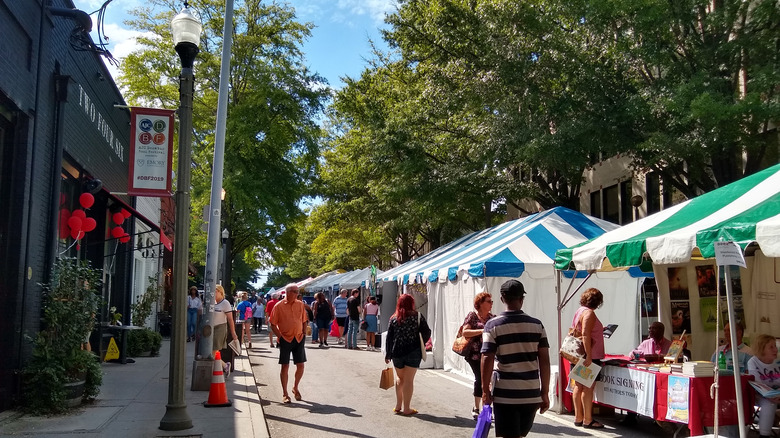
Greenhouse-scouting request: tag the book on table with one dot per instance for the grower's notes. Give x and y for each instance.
(765, 390)
(675, 351)
(698, 368)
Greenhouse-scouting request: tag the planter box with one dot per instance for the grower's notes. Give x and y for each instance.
(74, 391)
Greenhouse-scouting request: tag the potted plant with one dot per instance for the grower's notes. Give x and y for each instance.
(142, 342)
(59, 368)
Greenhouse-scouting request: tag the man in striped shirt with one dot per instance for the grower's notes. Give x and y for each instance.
(516, 359)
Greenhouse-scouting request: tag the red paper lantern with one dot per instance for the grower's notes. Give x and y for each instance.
(75, 233)
(89, 224)
(86, 200)
(74, 223)
(125, 238)
(126, 213)
(118, 218)
(117, 232)
(79, 214)
(64, 229)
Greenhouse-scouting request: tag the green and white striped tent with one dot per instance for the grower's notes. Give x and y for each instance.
(678, 240)
(746, 211)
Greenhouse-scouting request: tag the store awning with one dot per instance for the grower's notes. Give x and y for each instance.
(135, 213)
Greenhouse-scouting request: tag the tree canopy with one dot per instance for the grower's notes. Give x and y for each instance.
(272, 137)
(484, 103)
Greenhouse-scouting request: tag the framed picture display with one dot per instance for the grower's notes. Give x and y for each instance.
(678, 283)
(705, 279)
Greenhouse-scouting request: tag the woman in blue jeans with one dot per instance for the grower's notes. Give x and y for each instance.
(403, 348)
(194, 308)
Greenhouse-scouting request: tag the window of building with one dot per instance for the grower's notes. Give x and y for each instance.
(595, 204)
(613, 203)
(611, 200)
(653, 187)
(626, 210)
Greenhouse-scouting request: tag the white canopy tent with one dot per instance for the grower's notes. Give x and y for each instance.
(445, 281)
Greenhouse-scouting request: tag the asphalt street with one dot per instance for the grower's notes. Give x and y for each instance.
(341, 397)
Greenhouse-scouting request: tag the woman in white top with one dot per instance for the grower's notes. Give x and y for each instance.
(194, 308)
(765, 368)
(222, 320)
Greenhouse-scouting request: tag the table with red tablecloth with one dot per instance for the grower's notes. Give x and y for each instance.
(701, 408)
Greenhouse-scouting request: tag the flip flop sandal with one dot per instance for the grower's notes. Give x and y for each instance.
(593, 425)
(578, 423)
(396, 411)
(286, 399)
(297, 395)
(408, 414)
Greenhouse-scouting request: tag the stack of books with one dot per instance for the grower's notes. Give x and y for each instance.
(698, 368)
(677, 368)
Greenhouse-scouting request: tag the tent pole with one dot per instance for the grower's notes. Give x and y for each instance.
(561, 381)
(735, 355)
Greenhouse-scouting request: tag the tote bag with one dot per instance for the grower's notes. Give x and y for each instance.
(422, 343)
(572, 348)
(460, 344)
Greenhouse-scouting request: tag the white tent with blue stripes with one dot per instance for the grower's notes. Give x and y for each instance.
(446, 280)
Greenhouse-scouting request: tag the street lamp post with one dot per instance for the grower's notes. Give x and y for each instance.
(186, 30)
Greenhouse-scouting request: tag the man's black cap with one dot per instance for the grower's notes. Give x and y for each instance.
(512, 289)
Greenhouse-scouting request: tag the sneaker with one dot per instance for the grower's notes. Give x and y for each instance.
(474, 413)
(226, 369)
(341, 341)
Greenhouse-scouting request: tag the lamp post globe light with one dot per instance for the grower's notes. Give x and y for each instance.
(186, 29)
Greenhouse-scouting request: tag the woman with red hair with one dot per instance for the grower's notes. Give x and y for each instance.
(403, 347)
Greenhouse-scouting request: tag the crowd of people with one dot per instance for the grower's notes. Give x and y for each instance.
(508, 353)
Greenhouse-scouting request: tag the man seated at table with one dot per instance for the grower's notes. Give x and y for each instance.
(743, 351)
(655, 343)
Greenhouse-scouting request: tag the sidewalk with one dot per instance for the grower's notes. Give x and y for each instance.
(132, 402)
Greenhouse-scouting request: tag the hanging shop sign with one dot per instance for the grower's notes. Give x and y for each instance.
(151, 152)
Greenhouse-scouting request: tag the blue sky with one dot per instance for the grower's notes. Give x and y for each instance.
(339, 45)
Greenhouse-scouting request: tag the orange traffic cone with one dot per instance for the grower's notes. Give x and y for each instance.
(217, 392)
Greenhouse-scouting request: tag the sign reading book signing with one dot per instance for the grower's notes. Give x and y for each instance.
(626, 388)
(151, 152)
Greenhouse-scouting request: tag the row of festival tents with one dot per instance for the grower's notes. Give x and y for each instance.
(445, 281)
(334, 281)
(676, 242)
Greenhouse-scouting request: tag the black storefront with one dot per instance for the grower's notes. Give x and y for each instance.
(61, 135)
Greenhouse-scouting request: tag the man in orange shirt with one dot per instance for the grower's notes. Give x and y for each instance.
(288, 321)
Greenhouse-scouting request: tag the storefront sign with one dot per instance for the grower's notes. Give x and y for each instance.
(626, 388)
(151, 152)
(100, 123)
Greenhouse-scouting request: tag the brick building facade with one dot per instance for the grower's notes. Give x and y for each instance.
(60, 133)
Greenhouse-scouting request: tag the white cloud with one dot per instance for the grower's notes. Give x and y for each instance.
(343, 11)
(376, 9)
(121, 42)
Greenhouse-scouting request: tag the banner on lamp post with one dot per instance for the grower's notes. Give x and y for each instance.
(151, 152)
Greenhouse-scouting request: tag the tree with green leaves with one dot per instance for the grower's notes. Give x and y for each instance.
(705, 76)
(272, 136)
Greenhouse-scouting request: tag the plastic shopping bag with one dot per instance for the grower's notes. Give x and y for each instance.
(484, 422)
